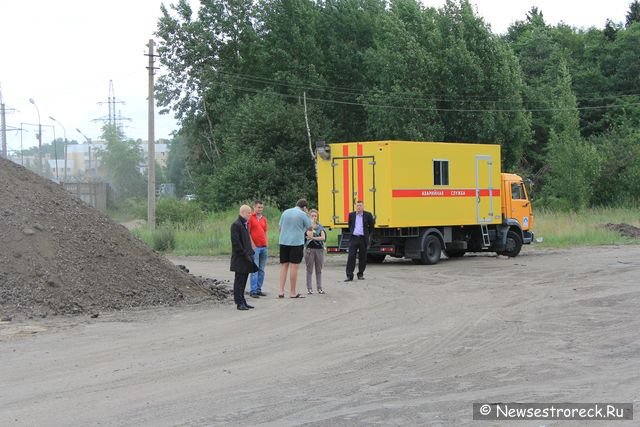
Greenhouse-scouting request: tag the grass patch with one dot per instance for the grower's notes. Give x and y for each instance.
(127, 210)
(585, 228)
(164, 239)
(210, 236)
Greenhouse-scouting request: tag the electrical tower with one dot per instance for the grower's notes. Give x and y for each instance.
(112, 119)
(3, 126)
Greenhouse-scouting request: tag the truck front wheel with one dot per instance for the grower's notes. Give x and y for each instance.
(431, 251)
(513, 246)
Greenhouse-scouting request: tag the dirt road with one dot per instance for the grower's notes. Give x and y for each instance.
(410, 345)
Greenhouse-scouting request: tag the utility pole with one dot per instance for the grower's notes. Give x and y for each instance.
(3, 128)
(87, 169)
(39, 137)
(88, 174)
(65, 147)
(151, 157)
(21, 149)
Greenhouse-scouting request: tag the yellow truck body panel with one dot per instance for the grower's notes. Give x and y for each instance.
(411, 184)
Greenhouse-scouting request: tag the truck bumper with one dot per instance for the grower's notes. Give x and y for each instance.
(527, 237)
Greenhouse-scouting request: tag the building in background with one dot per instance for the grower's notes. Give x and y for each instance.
(86, 177)
(84, 161)
(161, 151)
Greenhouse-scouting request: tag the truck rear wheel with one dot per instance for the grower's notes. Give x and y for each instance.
(431, 251)
(513, 246)
(375, 258)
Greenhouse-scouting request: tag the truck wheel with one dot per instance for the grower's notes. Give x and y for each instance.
(513, 246)
(375, 258)
(432, 250)
(454, 253)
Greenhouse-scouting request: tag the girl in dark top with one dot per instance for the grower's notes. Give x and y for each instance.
(314, 251)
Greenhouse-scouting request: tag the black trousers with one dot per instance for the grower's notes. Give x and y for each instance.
(357, 247)
(239, 285)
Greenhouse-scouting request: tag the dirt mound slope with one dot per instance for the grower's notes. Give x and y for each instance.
(626, 230)
(61, 256)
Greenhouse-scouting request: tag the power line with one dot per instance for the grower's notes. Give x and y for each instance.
(435, 97)
(416, 108)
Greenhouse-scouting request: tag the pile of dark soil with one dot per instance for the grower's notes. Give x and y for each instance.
(626, 230)
(59, 256)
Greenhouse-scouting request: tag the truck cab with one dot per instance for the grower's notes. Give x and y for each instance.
(516, 206)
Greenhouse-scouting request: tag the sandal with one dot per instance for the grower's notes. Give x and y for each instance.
(297, 296)
(281, 296)
(321, 291)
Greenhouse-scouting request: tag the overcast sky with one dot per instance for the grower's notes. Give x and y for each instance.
(63, 53)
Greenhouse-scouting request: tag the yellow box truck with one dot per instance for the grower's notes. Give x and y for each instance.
(426, 197)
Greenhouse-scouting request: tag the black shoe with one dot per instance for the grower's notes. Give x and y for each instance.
(242, 307)
(360, 276)
(349, 279)
(262, 294)
(248, 306)
(254, 295)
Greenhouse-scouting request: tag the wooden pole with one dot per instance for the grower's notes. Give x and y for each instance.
(151, 158)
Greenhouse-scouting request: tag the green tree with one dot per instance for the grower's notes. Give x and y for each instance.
(485, 103)
(418, 54)
(618, 182)
(572, 163)
(400, 67)
(178, 171)
(264, 154)
(203, 58)
(237, 71)
(633, 15)
(540, 48)
(122, 159)
(611, 30)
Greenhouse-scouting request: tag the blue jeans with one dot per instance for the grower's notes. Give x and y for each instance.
(257, 278)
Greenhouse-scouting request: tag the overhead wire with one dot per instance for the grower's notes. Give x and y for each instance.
(418, 108)
(411, 95)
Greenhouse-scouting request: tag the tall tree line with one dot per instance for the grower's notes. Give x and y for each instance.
(563, 103)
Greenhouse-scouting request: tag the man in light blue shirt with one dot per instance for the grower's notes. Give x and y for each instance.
(294, 223)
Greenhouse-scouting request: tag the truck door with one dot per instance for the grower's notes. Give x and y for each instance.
(520, 205)
(353, 180)
(484, 189)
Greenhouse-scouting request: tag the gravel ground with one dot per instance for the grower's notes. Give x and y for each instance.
(409, 346)
(62, 257)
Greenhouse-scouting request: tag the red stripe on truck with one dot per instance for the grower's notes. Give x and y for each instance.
(345, 182)
(437, 192)
(360, 174)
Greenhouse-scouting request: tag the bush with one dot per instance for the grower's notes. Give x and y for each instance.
(173, 211)
(555, 204)
(127, 209)
(164, 239)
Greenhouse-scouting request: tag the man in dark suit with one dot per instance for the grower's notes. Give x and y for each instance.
(361, 224)
(241, 257)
